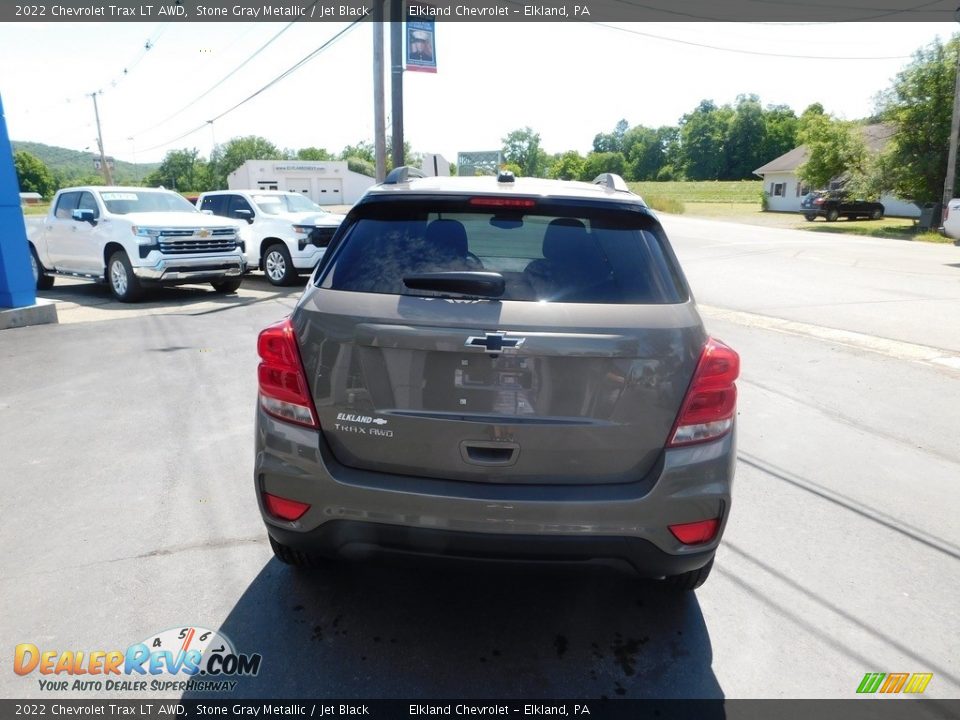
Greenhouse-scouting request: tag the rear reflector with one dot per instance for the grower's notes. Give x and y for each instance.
(711, 400)
(284, 392)
(284, 508)
(696, 533)
(507, 202)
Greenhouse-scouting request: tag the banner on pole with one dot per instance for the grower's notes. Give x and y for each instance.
(421, 45)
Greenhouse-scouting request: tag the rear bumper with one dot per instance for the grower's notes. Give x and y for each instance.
(354, 540)
(354, 512)
(177, 269)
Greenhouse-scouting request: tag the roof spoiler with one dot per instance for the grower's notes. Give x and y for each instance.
(611, 181)
(402, 174)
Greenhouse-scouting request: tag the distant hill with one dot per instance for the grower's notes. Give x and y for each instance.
(72, 166)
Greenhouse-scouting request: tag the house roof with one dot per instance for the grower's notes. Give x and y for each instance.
(874, 136)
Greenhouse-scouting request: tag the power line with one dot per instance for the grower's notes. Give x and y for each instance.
(741, 51)
(219, 82)
(293, 68)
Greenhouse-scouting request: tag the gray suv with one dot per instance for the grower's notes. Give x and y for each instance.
(498, 367)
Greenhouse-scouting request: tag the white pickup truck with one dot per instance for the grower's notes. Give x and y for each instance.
(951, 221)
(284, 233)
(130, 237)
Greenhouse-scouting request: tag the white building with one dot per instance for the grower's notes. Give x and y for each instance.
(325, 182)
(785, 190)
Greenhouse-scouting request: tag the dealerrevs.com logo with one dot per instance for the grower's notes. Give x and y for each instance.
(175, 660)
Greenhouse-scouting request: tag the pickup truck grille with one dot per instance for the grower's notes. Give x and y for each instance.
(189, 241)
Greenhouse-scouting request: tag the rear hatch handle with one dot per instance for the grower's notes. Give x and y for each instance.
(489, 453)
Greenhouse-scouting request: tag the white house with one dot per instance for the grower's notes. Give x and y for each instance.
(325, 182)
(785, 190)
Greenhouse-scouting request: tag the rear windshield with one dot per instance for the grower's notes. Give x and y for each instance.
(546, 254)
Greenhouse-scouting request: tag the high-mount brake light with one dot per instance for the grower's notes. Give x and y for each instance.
(284, 392)
(710, 404)
(503, 202)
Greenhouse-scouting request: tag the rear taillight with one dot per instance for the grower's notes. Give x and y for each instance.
(711, 401)
(696, 533)
(284, 392)
(284, 508)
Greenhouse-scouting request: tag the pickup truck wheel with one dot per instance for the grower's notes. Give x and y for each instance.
(832, 215)
(227, 286)
(689, 580)
(809, 217)
(278, 266)
(877, 214)
(44, 282)
(123, 283)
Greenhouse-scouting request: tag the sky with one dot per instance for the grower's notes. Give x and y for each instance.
(567, 81)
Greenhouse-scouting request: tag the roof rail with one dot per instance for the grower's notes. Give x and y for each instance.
(402, 174)
(611, 181)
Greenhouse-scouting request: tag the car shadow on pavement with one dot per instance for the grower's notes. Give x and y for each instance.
(426, 631)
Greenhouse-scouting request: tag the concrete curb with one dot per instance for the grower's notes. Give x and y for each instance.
(42, 313)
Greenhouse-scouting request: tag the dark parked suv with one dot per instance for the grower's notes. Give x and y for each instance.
(493, 367)
(834, 205)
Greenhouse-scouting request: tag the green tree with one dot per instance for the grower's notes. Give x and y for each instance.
(568, 166)
(644, 151)
(919, 105)
(745, 139)
(612, 141)
(363, 150)
(522, 147)
(835, 151)
(182, 170)
(314, 153)
(702, 134)
(604, 162)
(235, 152)
(782, 125)
(33, 175)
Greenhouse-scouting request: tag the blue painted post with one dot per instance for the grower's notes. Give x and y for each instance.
(17, 288)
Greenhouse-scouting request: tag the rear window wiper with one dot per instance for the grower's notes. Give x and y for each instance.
(483, 284)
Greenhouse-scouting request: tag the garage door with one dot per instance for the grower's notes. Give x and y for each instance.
(330, 192)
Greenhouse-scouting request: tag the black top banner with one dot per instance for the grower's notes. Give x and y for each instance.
(612, 709)
(487, 11)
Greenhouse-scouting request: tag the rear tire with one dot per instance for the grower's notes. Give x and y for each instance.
(44, 282)
(688, 581)
(124, 285)
(227, 285)
(809, 217)
(277, 265)
(833, 215)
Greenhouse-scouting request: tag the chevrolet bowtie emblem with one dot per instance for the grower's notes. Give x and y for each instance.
(494, 342)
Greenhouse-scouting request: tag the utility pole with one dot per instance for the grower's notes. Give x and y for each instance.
(379, 122)
(103, 158)
(948, 183)
(396, 78)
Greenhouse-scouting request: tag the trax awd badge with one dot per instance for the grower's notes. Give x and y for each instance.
(494, 343)
(359, 424)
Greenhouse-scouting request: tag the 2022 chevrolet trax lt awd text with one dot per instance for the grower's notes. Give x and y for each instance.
(490, 367)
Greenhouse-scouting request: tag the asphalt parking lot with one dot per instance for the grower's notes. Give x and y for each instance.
(129, 507)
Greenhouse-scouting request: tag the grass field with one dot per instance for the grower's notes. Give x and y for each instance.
(706, 191)
(739, 201)
(750, 213)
